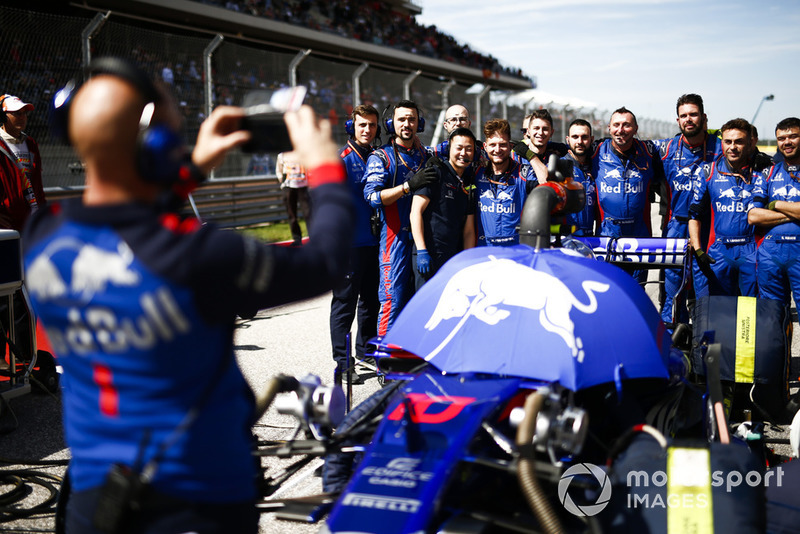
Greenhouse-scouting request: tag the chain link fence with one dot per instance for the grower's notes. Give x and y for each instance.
(41, 52)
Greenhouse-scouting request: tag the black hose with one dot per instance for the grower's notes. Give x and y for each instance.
(21, 481)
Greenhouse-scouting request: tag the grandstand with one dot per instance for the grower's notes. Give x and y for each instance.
(210, 52)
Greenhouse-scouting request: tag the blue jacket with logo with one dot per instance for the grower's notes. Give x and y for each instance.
(729, 197)
(500, 201)
(623, 182)
(354, 158)
(584, 220)
(779, 184)
(681, 161)
(139, 307)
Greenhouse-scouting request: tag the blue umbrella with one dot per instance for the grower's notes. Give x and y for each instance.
(540, 314)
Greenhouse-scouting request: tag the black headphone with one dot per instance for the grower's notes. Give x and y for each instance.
(350, 127)
(160, 152)
(389, 123)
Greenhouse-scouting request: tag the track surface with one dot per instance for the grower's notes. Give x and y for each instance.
(292, 339)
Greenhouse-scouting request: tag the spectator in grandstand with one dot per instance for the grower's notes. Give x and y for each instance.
(359, 290)
(394, 171)
(501, 188)
(443, 213)
(538, 147)
(682, 156)
(377, 23)
(777, 212)
(21, 190)
(625, 169)
(727, 189)
(580, 141)
(152, 394)
(294, 183)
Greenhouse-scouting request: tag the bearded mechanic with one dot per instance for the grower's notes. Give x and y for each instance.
(139, 304)
(394, 171)
(580, 141)
(682, 156)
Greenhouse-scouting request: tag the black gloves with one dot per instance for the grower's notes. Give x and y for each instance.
(523, 150)
(426, 176)
(703, 259)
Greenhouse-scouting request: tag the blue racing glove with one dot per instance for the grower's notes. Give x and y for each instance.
(423, 261)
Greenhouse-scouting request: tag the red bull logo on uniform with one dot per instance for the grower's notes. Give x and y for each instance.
(786, 192)
(490, 291)
(622, 187)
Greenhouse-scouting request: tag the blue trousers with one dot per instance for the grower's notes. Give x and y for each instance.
(778, 270)
(733, 274)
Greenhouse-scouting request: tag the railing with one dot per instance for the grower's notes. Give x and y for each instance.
(229, 202)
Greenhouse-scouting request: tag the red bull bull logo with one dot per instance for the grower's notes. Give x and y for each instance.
(490, 291)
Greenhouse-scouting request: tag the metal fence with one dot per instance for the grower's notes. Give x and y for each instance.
(40, 52)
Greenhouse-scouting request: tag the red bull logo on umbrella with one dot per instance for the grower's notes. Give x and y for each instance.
(490, 290)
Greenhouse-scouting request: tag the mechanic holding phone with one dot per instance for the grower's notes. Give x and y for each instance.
(139, 305)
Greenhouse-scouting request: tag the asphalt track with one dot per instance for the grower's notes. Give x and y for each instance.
(291, 339)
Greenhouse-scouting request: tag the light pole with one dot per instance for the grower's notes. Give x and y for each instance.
(767, 98)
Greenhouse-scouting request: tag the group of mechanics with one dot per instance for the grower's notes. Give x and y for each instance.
(160, 446)
(418, 206)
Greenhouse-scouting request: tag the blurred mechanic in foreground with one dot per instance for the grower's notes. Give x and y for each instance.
(139, 306)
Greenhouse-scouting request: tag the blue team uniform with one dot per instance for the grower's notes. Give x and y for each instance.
(359, 290)
(137, 303)
(584, 220)
(623, 183)
(500, 201)
(731, 241)
(559, 149)
(681, 161)
(778, 266)
(388, 167)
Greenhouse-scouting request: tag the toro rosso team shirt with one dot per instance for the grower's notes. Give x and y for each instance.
(584, 220)
(623, 182)
(139, 308)
(729, 197)
(681, 162)
(782, 183)
(500, 201)
(354, 158)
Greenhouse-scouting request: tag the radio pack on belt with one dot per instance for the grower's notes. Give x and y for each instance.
(755, 335)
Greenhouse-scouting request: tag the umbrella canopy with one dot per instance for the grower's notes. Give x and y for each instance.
(540, 314)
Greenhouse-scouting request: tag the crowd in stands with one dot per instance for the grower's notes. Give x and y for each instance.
(371, 22)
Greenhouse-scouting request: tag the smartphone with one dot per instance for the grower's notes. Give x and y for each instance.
(269, 133)
(264, 118)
